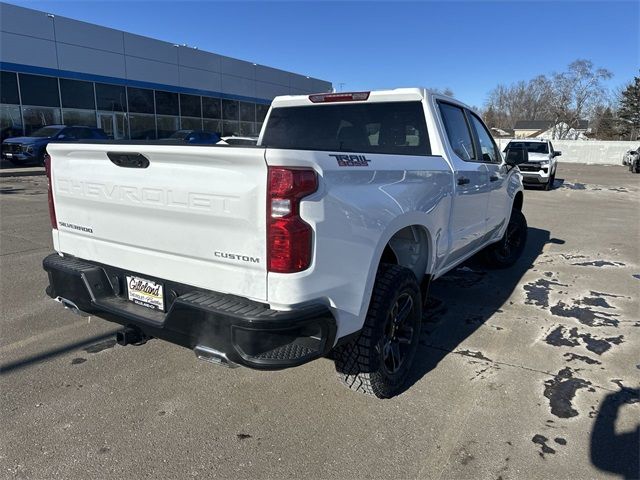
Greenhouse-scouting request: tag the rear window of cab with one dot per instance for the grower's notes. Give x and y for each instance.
(396, 128)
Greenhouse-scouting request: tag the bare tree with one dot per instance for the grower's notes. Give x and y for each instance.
(575, 94)
(563, 98)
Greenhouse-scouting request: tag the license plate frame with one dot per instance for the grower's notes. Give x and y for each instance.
(146, 293)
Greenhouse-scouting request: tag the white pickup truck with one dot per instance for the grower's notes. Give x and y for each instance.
(319, 241)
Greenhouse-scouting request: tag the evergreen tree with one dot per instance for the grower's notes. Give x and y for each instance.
(608, 126)
(629, 111)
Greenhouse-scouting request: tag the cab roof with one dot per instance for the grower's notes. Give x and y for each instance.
(371, 96)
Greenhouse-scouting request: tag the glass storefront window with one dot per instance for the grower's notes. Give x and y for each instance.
(229, 110)
(230, 128)
(248, 129)
(212, 126)
(190, 123)
(77, 94)
(114, 124)
(38, 117)
(86, 118)
(167, 103)
(261, 112)
(112, 98)
(190, 106)
(142, 127)
(9, 88)
(211, 107)
(39, 90)
(10, 121)
(140, 100)
(247, 112)
(167, 126)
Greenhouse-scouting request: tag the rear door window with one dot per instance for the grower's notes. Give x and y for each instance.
(488, 149)
(458, 133)
(397, 128)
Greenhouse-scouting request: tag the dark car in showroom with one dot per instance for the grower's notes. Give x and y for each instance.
(192, 137)
(31, 149)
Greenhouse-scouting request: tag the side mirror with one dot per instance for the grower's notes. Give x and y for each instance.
(516, 156)
(557, 153)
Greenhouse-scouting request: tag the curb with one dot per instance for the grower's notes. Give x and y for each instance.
(22, 172)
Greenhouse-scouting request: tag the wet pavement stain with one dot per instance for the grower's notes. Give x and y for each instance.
(560, 337)
(602, 294)
(469, 353)
(584, 315)
(570, 356)
(78, 360)
(538, 291)
(100, 346)
(561, 390)
(595, 302)
(560, 441)
(243, 436)
(544, 448)
(574, 186)
(636, 275)
(599, 263)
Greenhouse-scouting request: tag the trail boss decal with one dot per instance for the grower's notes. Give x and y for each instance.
(350, 160)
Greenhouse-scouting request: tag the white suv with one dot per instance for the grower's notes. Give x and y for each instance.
(542, 165)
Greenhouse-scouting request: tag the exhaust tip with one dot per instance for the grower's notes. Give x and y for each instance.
(212, 355)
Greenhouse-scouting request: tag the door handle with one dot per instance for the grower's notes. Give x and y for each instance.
(493, 178)
(463, 180)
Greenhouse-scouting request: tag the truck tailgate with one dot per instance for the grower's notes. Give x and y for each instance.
(194, 215)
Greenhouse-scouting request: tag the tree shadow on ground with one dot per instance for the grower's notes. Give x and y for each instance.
(613, 452)
(464, 299)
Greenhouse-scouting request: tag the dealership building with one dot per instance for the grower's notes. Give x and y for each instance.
(57, 70)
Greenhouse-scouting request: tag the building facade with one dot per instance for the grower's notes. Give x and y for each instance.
(57, 70)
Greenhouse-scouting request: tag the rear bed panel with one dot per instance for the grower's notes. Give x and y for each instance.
(195, 215)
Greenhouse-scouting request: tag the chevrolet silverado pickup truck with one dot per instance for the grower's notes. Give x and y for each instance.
(320, 241)
(542, 164)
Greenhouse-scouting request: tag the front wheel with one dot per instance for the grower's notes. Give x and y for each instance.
(509, 248)
(378, 361)
(549, 185)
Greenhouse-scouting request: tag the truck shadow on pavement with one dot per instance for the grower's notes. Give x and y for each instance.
(613, 452)
(466, 299)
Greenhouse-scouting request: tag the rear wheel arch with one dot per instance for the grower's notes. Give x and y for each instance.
(409, 247)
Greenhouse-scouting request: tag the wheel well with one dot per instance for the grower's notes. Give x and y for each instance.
(517, 202)
(409, 248)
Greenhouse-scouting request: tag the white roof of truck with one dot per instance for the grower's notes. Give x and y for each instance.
(394, 95)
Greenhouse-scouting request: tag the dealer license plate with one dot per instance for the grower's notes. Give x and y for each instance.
(145, 292)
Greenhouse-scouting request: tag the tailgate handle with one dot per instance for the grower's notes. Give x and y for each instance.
(128, 159)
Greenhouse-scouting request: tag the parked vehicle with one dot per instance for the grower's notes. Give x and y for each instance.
(634, 161)
(31, 149)
(320, 241)
(542, 165)
(630, 156)
(241, 141)
(9, 132)
(193, 137)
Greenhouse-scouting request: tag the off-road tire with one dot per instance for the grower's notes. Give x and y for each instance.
(361, 364)
(503, 255)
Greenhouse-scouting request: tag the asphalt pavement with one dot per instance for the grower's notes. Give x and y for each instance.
(531, 372)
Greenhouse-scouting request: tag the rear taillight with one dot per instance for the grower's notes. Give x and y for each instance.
(289, 238)
(52, 207)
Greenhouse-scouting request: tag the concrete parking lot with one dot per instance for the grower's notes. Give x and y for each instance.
(531, 372)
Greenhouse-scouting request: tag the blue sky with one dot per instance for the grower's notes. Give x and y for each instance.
(466, 46)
